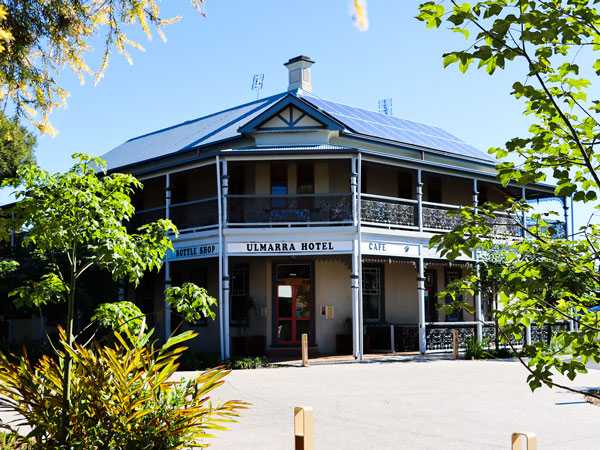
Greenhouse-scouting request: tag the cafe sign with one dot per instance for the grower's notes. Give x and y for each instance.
(388, 248)
(289, 247)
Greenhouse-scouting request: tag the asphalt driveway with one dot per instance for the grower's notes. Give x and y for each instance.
(414, 403)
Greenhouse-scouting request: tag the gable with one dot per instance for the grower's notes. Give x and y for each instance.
(291, 114)
(291, 118)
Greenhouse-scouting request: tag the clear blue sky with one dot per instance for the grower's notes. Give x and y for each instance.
(207, 65)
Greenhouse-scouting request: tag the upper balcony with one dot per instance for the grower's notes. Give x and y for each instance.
(258, 195)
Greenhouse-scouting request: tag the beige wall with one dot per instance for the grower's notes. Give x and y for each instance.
(339, 176)
(263, 178)
(332, 288)
(401, 295)
(381, 180)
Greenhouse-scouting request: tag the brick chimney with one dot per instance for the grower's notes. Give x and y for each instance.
(299, 73)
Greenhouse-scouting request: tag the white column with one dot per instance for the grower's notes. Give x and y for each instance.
(221, 253)
(226, 304)
(167, 324)
(478, 315)
(354, 277)
(421, 291)
(224, 192)
(354, 190)
(569, 235)
(360, 294)
(420, 199)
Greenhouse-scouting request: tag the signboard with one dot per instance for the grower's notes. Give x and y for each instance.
(289, 247)
(388, 248)
(195, 251)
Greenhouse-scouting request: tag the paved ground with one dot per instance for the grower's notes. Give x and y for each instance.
(408, 403)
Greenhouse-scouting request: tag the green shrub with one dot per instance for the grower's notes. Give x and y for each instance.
(246, 363)
(122, 398)
(474, 349)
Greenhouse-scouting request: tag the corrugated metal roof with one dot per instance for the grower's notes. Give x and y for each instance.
(194, 133)
(374, 124)
(224, 126)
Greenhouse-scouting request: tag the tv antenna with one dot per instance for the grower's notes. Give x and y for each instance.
(257, 83)
(385, 106)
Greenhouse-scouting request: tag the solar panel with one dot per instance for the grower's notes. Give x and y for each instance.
(370, 123)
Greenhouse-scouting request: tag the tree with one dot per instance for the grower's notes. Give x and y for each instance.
(16, 146)
(547, 278)
(80, 217)
(39, 38)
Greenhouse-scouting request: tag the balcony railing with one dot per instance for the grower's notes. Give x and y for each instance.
(289, 209)
(195, 215)
(435, 216)
(145, 216)
(393, 212)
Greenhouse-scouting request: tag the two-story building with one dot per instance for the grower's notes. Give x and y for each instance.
(303, 215)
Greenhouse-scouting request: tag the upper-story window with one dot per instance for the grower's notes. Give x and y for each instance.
(406, 186)
(279, 184)
(306, 178)
(237, 180)
(433, 185)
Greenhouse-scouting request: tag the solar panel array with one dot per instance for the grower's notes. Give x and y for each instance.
(378, 125)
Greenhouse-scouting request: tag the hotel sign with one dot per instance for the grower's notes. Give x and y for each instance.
(196, 251)
(388, 248)
(289, 247)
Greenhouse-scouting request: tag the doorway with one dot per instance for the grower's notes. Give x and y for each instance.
(293, 312)
(293, 303)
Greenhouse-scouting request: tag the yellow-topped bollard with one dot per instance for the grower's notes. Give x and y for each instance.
(530, 439)
(303, 428)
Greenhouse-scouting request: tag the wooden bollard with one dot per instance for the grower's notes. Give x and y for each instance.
(455, 343)
(530, 439)
(304, 349)
(303, 428)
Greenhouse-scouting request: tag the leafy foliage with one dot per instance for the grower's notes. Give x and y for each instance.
(16, 146)
(191, 301)
(116, 315)
(544, 278)
(38, 39)
(79, 216)
(123, 397)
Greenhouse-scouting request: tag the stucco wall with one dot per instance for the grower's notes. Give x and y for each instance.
(332, 288)
(401, 295)
(457, 191)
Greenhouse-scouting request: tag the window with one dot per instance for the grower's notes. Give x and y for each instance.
(405, 185)
(430, 297)
(279, 185)
(372, 290)
(434, 189)
(237, 180)
(456, 315)
(306, 178)
(238, 293)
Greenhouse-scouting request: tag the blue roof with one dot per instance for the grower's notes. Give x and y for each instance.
(373, 124)
(221, 126)
(225, 126)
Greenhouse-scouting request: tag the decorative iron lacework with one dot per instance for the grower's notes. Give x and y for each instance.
(436, 218)
(440, 337)
(559, 226)
(289, 208)
(388, 212)
(143, 217)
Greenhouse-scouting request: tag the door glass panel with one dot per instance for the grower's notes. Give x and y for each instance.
(284, 299)
(303, 301)
(302, 326)
(284, 331)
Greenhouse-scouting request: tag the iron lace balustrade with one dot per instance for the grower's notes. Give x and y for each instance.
(195, 215)
(144, 216)
(394, 212)
(289, 209)
(558, 225)
(435, 216)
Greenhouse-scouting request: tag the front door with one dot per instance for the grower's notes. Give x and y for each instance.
(293, 312)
